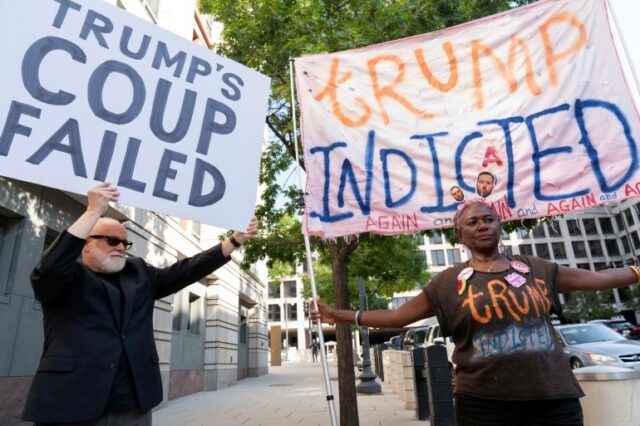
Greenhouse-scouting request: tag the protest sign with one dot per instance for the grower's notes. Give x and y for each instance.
(528, 109)
(89, 93)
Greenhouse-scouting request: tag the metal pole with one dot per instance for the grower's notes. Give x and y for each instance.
(368, 382)
(307, 245)
(286, 330)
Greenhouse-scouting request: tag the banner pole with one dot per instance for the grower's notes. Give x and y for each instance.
(307, 244)
(616, 23)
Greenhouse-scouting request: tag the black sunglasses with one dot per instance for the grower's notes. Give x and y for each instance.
(113, 241)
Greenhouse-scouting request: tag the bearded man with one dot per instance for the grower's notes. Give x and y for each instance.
(99, 364)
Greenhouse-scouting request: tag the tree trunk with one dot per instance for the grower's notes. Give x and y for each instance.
(346, 374)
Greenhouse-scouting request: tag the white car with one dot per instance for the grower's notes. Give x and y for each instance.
(427, 335)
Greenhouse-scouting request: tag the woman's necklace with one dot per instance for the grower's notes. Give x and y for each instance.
(490, 265)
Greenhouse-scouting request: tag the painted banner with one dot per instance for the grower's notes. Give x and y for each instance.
(89, 93)
(528, 109)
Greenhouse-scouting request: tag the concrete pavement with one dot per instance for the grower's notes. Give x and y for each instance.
(292, 394)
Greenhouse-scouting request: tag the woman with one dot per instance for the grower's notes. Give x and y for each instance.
(510, 368)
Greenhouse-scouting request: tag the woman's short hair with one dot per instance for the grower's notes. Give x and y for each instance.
(463, 206)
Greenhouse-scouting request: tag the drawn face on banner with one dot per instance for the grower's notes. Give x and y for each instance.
(457, 193)
(484, 184)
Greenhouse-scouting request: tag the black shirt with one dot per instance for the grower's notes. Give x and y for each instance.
(123, 394)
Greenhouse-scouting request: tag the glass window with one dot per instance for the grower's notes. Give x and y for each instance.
(559, 251)
(436, 238)
(522, 233)
(635, 239)
(292, 311)
(612, 247)
(274, 312)
(177, 313)
(629, 216)
(243, 331)
(543, 250)
(574, 227)
(554, 229)
(606, 225)
(526, 249)
(583, 266)
(194, 314)
(579, 249)
(595, 248)
(625, 244)
(590, 226)
(274, 290)
(599, 266)
(453, 256)
(290, 288)
(437, 257)
(538, 231)
(10, 230)
(620, 222)
(505, 235)
(508, 250)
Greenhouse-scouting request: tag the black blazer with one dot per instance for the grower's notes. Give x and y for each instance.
(82, 343)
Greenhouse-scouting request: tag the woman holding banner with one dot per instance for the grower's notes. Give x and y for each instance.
(510, 367)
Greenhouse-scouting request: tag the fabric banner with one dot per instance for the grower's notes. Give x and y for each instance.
(528, 109)
(89, 93)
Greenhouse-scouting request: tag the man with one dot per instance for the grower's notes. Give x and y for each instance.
(456, 193)
(99, 364)
(485, 184)
(314, 350)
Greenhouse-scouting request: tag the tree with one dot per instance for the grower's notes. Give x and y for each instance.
(398, 267)
(588, 305)
(633, 294)
(263, 35)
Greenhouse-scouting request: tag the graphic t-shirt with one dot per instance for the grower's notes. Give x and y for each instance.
(505, 345)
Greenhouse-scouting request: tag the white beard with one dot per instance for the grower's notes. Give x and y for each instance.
(108, 265)
(113, 265)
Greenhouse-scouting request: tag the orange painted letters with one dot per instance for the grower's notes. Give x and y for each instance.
(332, 89)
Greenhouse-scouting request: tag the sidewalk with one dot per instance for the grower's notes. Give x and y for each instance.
(292, 394)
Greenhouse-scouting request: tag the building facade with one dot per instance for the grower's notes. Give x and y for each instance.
(286, 309)
(209, 335)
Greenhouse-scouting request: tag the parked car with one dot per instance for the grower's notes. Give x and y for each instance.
(596, 344)
(395, 342)
(622, 326)
(423, 336)
(427, 335)
(415, 338)
(435, 338)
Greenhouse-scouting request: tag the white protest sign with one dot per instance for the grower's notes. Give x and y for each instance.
(89, 93)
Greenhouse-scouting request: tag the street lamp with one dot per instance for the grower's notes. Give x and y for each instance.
(368, 382)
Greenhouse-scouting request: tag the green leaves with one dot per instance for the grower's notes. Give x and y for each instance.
(588, 305)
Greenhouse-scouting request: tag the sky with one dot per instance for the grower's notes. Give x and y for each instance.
(626, 14)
